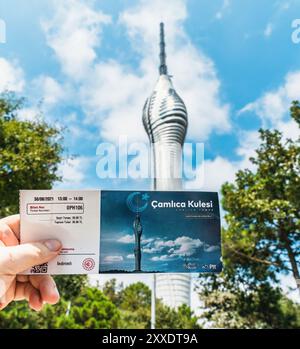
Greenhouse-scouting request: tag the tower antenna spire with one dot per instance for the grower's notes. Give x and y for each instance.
(162, 55)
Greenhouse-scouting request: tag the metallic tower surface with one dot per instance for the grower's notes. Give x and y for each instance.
(165, 121)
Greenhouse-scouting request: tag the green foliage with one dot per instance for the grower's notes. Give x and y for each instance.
(134, 303)
(17, 316)
(90, 309)
(71, 286)
(135, 296)
(263, 207)
(261, 241)
(135, 306)
(180, 318)
(29, 154)
(112, 291)
(227, 304)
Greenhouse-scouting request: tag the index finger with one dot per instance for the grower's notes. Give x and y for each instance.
(14, 223)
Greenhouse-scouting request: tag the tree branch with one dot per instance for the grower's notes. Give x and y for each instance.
(254, 259)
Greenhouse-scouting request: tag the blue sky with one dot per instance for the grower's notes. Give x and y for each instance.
(93, 64)
(90, 65)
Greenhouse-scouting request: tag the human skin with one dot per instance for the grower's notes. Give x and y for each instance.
(16, 258)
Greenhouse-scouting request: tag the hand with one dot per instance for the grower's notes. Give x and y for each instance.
(16, 258)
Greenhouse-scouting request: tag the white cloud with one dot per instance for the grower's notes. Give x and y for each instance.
(273, 106)
(289, 129)
(211, 248)
(186, 246)
(220, 169)
(268, 30)
(162, 243)
(130, 256)
(180, 247)
(194, 74)
(147, 240)
(73, 170)
(49, 90)
(216, 172)
(73, 33)
(28, 114)
(11, 77)
(112, 94)
(248, 143)
(126, 239)
(113, 99)
(158, 245)
(112, 259)
(162, 258)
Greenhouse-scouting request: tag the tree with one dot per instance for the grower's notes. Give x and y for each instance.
(29, 154)
(71, 286)
(90, 309)
(181, 318)
(228, 304)
(18, 316)
(263, 234)
(135, 306)
(262, 239)
(112, 291)
(134, 303)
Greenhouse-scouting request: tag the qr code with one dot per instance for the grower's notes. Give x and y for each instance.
(40, 269)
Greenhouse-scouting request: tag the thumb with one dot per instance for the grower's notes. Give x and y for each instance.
(16, 259)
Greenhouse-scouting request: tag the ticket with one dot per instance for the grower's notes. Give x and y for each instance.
(70, 216)
(119, 231)
(160, 232)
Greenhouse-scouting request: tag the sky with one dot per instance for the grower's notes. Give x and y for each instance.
(90, 65)
(179, 238)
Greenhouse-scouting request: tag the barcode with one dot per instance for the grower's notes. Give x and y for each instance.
(40, 269)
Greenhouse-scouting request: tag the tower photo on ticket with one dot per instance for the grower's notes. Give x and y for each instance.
(160, 232)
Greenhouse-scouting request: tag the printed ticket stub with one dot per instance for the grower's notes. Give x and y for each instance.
(118, 231)
(71, 217)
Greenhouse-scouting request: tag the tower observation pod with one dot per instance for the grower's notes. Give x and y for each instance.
(165, 121)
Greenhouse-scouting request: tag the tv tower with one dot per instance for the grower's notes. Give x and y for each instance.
(165, 121)
(138, 230)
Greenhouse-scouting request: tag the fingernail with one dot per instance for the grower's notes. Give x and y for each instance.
(55, 291)
(53, 245)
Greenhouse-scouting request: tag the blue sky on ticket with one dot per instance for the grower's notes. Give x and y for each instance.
(90, 65)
